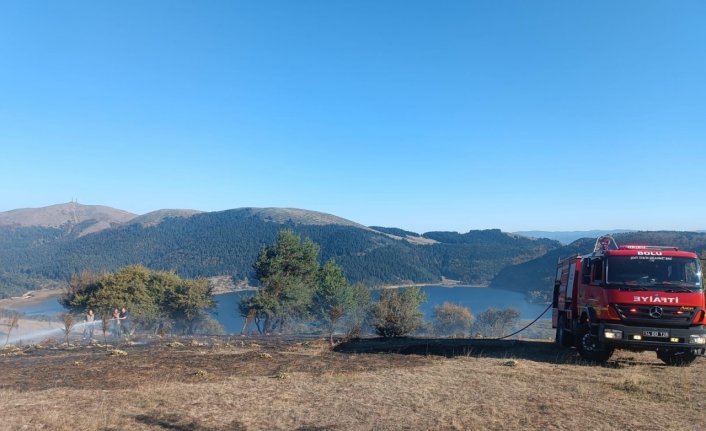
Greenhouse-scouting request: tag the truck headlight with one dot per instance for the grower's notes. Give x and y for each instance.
(613, 334)
(697, 339)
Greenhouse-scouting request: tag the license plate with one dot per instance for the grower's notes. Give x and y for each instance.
(660, 334)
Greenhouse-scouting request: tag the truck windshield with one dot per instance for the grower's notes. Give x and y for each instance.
(663, 273)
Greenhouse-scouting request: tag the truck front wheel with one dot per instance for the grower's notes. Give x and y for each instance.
(678, 358)
(589, 347)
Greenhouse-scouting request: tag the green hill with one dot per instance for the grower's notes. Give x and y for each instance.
(227, 243)
(196, 244)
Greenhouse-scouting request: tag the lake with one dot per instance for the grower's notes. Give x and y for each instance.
(226, 312)
(477, 299)
(48, 306)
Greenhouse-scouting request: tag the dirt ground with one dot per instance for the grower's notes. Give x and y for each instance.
(268, 383)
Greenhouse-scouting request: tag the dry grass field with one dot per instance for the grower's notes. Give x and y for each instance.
(301, 384)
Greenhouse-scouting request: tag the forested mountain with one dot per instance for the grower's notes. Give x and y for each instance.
(227, 243)
(196, 244)
(539, 273)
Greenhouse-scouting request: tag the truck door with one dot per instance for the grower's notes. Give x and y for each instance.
(570, 284)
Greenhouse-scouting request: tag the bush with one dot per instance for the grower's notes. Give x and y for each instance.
(397, 312)
(358, 319)
(151, 297)
(333, 297)
(495, 323)
(452, 319)
(206, 325)
(539, 296)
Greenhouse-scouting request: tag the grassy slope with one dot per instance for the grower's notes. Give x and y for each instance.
(276, 384)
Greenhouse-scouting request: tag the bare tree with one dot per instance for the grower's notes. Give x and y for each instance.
(69, 322)
(105, 321)
(12, 322)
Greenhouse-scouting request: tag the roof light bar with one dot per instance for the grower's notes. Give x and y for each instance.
(648, 247)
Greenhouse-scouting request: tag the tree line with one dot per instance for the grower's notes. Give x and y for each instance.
(294, 290)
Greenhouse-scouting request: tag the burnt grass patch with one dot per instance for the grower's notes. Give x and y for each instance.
(533, 350)
(288, 383)
(453, 347)
(211, 359)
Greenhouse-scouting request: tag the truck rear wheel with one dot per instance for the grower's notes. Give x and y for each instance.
(589, 347)
(676, 358)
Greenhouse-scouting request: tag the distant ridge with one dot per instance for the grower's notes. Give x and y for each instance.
(71, 216)
(567, 237)
(304, 217)
(300, 216)
(95, 218)
(156, 217)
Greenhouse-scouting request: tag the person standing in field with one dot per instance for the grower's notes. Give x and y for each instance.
(124, 322)
(115, 326)
(90, 319)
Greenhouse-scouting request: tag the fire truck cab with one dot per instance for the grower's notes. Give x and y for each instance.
(631, 297)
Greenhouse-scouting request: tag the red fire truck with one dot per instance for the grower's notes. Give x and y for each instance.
(631, 297)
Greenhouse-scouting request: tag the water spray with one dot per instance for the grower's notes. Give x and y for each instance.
(43, 334)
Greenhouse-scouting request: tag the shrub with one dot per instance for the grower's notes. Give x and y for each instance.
(358, 319)
(208, 326)
(539, 296)
(151, 297)
(333, 297)
(397, 312)
(495, 323)
(451, 319)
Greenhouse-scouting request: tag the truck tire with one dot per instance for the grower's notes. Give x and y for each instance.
(563, 338)
(676, 358)
(589, 347)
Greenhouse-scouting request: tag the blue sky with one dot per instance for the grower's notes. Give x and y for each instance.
(453, 115)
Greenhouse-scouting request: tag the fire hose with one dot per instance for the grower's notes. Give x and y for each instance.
(525, 327)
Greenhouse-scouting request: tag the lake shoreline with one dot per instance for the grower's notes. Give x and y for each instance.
(31, 297)
(34, 296)
(386, 286)
(435, 285)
